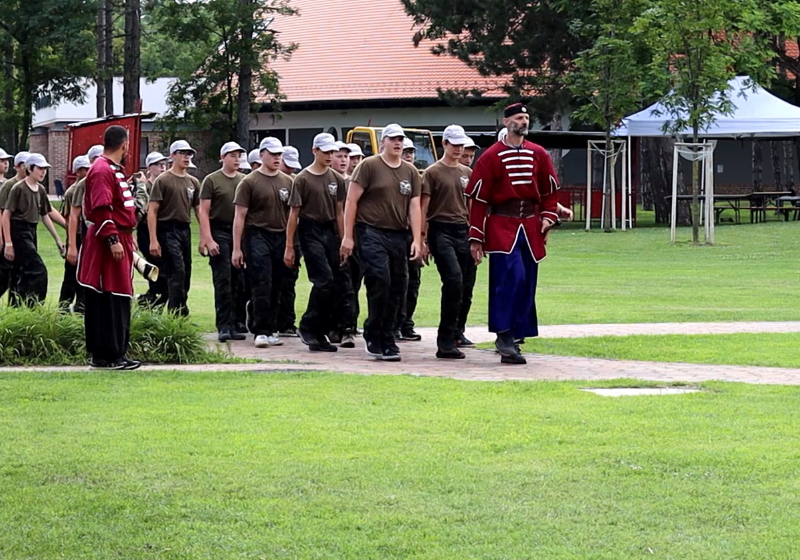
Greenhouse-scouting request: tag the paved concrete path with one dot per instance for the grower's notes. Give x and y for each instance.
(482, 365)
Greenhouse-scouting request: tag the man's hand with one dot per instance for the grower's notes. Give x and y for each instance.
(477, 251)
(416, 252)
(9, 252)
(565, 213)
(208, 247)
(426, 253)
(346, 249)
(237, 258)
(117, 252)
(62, 250)
(288, 257)
(72, 254)
(547, 225)
(155, 248)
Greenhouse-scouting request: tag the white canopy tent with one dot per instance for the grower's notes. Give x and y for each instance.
(756, 114)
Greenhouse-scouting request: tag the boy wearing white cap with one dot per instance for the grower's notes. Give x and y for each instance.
(341, 158)
(27, 202)
(172, 198)
(468, 154)
(70, 289)
(356, 156)
(382, 200)
(316, 216)
(5, 267)
(444, 204)
(216, 241)
(5, 158)
(156, 164)
(261, 208)
(254, 159)
(286, 319)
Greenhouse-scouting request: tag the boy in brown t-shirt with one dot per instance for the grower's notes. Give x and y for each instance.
(260, 214)
(27, 203)
(445, 208)
(382, 200)
(70, 289)
(172, 198)
(316, 215)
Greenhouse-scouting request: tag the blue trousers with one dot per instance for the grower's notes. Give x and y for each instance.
(512, 291)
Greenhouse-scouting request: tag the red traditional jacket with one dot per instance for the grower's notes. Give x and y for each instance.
(505, 174)
(109, 208)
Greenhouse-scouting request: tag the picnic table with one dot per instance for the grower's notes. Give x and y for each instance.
(793, 206)
(760, 202)
(757, 202)
(726, 202)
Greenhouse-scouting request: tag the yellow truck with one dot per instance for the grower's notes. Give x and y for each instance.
(368, 138)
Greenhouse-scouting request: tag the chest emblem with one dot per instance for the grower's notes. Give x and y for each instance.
(333, 188)
(190, 192)
(464, 181)
(283, 194)
(405, 188)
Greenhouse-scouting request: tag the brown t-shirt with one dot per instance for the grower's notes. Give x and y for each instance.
(26, 205)
(317, 195)
(66, 206)
(79, 192)
(387, 192)
(176, 196)
(266, 199)
(446, 185)
(5, 189)
(220, 189)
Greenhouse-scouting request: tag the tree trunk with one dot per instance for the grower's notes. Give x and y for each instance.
(131, 70)
(244, 95)
(100, 31)
(695, 191)
(774, 148)
(788, 165)
(758, 165)
(656, 169)
(9, 127)
(556, 123)
(108, 43)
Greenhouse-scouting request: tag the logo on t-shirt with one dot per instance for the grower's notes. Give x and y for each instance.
(284, 194)
(190, 192)
(405, 188)
(333, 188)
(464, 181)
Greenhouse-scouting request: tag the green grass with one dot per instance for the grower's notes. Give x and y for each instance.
(637, 276)
(766, 349)
(315, 466)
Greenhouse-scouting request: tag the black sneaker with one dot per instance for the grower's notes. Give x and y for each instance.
(397, 335)
(307, 338)
(130, 364)
(505, 346)
(373, 349)
(236, 335)
(463, 342)
(335, 337)
(516, 359)
(241, 328)
(391, 354)
(410, 335)
(450, 354)
(290, 332)
(104, 364)
(348, 340)
(224, 335)
(322, 345)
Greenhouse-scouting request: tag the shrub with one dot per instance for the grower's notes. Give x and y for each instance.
(44, 336)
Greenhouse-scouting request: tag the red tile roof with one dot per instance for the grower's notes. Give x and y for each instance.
(363, 50)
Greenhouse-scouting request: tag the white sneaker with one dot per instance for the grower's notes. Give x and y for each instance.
(262, 341)
(274, 340)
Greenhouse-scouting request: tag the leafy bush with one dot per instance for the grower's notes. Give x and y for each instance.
(44, 336)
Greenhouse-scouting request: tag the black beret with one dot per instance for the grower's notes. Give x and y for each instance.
(515, 109)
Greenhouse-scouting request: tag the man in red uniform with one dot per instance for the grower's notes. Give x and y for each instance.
(105, 263)
(513, 190)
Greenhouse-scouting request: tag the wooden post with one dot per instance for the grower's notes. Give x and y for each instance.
(587, 207)
(674, 216)
(624, 187)
(613, 184)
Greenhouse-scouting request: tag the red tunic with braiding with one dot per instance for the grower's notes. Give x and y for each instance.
(109, 208)
(503, 174)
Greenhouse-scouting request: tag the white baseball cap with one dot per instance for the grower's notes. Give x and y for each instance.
(291, 157)
(253, 156)
(79, 162)
(244, 164)
(502, 135)
(392, 131)
(229, 147)
(154, 157)
(95, 152)
(342, 146)
(408, 144)
(455, 135)
(272, 145)
(325, 142)
(192, 165)
(470, 144)
(5, 155)
(355, 150)
(20, 158)
(37, 160)
(180, 145)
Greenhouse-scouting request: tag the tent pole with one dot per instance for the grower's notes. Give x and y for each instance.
(674, 215)
(629, 186)
(613, 185)
(710, 195)
(605, 186)
(624, 197)
(588, 205)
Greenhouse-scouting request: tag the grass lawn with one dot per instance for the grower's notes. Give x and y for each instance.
(313, 466)
(751, 274)
(767, 349)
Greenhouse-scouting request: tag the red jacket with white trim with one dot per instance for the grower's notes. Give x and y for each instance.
(505, 173)
(109, 208)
